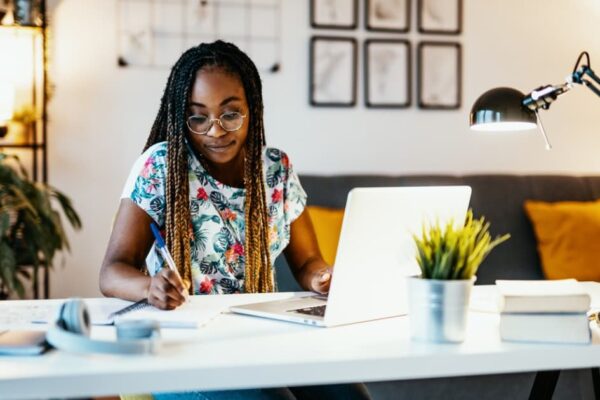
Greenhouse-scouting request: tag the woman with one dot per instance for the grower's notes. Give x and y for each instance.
(205, 155)
(228, 205)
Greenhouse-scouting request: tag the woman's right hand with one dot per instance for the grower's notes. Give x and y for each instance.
(166, 290)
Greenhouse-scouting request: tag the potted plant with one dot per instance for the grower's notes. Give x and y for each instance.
(31, 228)
(448, 257)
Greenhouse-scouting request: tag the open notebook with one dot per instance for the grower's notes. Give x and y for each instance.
(107, 311)
(184, 316)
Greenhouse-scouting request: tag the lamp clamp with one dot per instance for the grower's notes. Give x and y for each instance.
(543, 96)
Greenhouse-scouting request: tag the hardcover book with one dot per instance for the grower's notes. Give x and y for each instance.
(541, 296)
(549, 328)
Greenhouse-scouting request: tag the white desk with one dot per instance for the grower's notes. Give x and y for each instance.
(241, 352)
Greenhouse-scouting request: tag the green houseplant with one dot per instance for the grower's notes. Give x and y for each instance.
(31, 227)
(455, 252)
(448, 257)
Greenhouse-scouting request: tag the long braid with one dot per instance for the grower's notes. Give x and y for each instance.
(170, 125)
(258, 277)
(258, 274)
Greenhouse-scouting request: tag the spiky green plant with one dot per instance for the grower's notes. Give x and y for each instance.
(454, 253)
(31, 229)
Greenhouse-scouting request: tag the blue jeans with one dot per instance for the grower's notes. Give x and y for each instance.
(356, 391)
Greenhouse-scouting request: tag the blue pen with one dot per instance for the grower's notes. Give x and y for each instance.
(164, 251)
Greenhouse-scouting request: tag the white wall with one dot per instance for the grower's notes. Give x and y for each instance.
(101, 115)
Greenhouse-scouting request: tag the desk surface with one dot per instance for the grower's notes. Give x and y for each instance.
(235, 351)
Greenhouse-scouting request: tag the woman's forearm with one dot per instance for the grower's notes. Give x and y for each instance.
(124, 281)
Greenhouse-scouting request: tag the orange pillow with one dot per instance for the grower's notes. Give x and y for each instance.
(568, 238)
(328, 224)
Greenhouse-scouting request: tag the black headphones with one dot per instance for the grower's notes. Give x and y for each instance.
(71, 332)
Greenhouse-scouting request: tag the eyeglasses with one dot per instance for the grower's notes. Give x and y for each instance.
(229, 121)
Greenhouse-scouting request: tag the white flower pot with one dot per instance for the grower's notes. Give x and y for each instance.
(438, 309)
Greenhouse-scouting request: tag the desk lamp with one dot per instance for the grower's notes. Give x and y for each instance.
(506, 109)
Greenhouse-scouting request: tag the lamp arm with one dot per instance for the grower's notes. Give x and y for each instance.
(543, 96)
(592, 87)
(586, 70)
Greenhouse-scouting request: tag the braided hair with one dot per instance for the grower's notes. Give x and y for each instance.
(170, 126)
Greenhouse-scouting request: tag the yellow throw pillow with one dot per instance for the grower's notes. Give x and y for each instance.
(568, 238)
(328, 224)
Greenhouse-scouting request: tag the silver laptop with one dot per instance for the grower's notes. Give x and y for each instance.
(376, 252)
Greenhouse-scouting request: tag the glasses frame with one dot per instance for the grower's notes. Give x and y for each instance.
(211, 122)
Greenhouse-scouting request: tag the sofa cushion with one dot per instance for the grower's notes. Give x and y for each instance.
(328, 224)
(567, 235)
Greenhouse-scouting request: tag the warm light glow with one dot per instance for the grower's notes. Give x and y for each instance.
(7, 102)
(9, 19)
(503, 126)
(17, 47)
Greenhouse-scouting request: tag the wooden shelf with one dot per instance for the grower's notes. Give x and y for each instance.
(31, 27)
(33, 31)
(21, 145)
(35, 142)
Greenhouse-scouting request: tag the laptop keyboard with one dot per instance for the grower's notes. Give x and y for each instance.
(316, 310)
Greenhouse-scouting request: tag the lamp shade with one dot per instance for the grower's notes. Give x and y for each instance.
(501, 109)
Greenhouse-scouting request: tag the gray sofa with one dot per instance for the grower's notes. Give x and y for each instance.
(500, 199)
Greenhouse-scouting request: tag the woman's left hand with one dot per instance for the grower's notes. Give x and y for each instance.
(320, 280)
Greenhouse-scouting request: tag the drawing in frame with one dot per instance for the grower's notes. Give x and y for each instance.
(441, 17)
(334, 14)
(387, 15)
(439, 75)
(387, 73)
(333, 66)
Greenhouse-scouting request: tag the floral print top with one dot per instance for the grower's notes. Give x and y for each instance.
(217, 215)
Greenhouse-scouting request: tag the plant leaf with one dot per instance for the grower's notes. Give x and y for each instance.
(31, 227)
(449, 252)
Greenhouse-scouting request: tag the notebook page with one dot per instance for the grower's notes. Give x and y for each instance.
(185, 316)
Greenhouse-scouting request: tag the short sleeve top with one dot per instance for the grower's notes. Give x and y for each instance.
(217, 215)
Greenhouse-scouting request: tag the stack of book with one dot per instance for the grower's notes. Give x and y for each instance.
(544, 311)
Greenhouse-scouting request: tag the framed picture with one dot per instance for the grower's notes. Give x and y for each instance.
(334, 14)
(387, 73)
(439, 75)
(333, 65)
(442, 17)
(387, 15)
